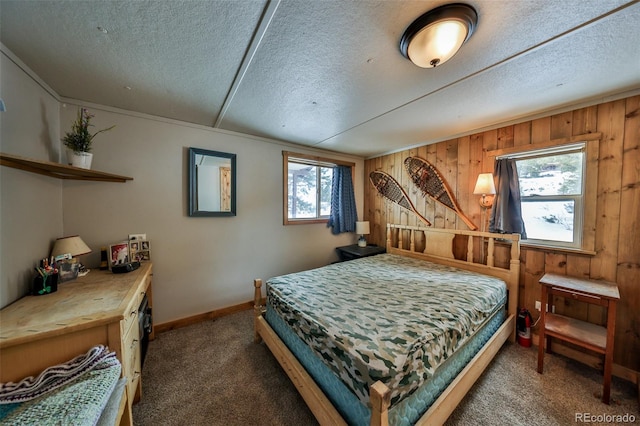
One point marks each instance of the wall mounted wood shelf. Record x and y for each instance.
(56, 170)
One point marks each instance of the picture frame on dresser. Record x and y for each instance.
(139, 250)
(118, 254)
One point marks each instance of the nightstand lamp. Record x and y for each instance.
(72, 245)
(362, 228)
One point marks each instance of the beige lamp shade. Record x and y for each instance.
(362, 228)
(485, 185)
(72, 244)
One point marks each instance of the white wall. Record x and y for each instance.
(200, 264)
(30, 204)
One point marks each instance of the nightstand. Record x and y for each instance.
(356, 252)
(587, 335)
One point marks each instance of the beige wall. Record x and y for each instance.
(31, 205)
(200, 264)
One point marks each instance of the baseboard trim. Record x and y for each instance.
(183, 322)
(592, 361)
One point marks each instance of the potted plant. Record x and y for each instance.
(79, 139)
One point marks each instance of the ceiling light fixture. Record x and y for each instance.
(437, 35)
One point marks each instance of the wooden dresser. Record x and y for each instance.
(100, 308)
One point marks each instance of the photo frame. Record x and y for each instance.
(139, 250)
(67, 269)
(119, 254)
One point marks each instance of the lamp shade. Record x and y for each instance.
(362, 228)
(437, 35)
(484, 184)
(73, 245)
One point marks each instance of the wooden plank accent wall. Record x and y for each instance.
(617, 235)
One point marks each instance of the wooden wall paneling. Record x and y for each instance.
(489, 143)
(585, 120)
(522, 302)
(533, 271)
(522, 134)
(505, 137)
(450, 175)
(400, 175)
(463, 192)
(412, 190)
(591, 181)
(561, 125)
(388, 208)
(628, 271)
(380, 201)
(477, 165)
(421, 202)
(541, 130)
(371, 209)
(556, 263)
(578, 266)
(472, 146)
(439, 220)
(367, 205)
(611, 125)
(430, 208)
(604, 264)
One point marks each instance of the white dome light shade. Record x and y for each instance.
(436, 36)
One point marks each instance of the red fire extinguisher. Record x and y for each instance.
(523, 325)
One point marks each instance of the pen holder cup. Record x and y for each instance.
(41, 286)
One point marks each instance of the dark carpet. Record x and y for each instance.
(212, 373)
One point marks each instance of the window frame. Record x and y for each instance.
(311, 160)
(587, 225)
(578, 199)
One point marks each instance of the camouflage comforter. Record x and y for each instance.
(385, 317)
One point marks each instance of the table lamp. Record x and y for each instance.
(362, 228)
(72, 245)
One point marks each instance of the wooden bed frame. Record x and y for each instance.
(438, 248)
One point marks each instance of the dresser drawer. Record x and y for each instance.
(131, 358)
(130, 317)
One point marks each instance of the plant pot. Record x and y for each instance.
(79, 159)
(42, 286)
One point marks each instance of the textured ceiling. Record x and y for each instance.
(326, 73)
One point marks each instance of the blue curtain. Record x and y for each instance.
(506, 214)
(343, 214)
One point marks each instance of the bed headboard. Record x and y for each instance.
(437, 245)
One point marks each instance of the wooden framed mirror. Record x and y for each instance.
(212, 183)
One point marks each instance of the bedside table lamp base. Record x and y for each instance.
(362, 228)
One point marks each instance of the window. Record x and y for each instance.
(552, 191)
(307, 188)
(558, 186)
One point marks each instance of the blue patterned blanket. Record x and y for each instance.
(72, 393)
